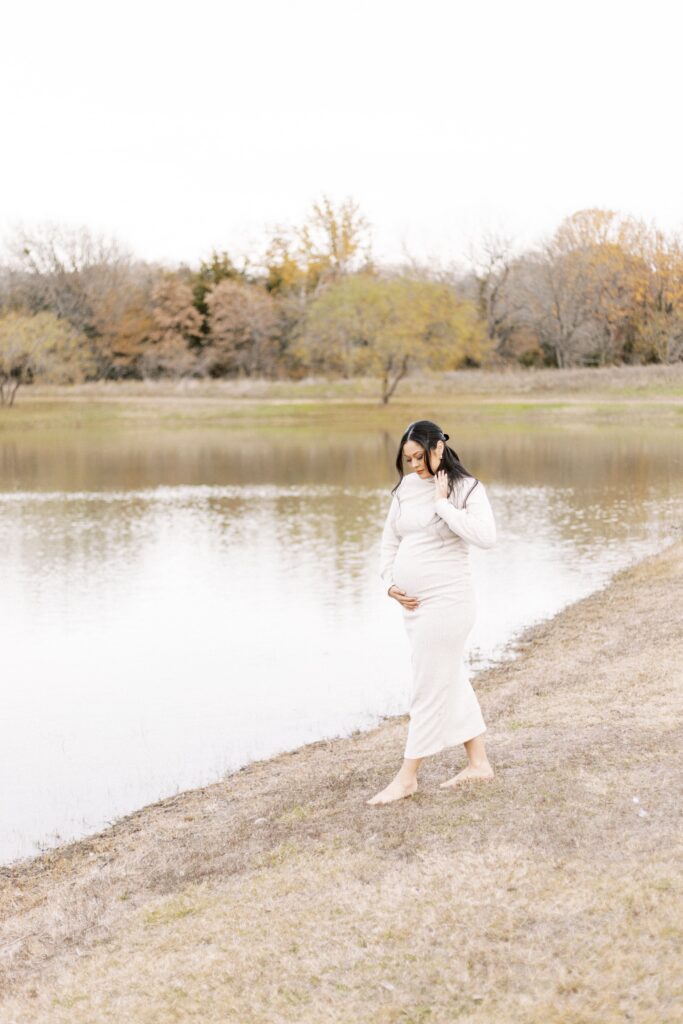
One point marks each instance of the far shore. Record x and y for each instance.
(550, 895)
(564, 397)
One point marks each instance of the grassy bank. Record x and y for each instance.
(549, 895)
(562, 396)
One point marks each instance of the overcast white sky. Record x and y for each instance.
(179, 128)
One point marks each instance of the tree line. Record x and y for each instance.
(604, 288)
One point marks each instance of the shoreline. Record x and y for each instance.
(570, 398)
(509, 652)
(634, 379)
(185, 882)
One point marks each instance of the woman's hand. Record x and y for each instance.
(440, 484)
(400, 596)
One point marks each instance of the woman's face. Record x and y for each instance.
(415, 457)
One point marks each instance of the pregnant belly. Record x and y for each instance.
(431, 574)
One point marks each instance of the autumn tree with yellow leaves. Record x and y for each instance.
(369, 325)
(332, 242)
(39, 346)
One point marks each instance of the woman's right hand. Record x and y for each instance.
(400, 596)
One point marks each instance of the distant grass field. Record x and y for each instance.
(545, 396)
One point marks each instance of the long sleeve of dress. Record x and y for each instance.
(389, 545)
(474, 523)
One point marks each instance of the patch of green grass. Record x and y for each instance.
(292, 996)
(652, 389)
(176, 992)
(172, 910)
(280, 854)
(511, 405)
(414, 1015)
(294, 814)
(68, 1001)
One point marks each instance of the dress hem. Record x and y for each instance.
(445, 746)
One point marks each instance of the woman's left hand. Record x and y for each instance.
(440, 484)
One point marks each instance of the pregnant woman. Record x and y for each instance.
(436, 511)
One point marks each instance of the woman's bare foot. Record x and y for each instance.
(396, 790)
(483, 772)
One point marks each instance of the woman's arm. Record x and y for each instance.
(474, 523)
(389, 544)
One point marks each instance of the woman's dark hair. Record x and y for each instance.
(427, 434)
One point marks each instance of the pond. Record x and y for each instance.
(176, 604)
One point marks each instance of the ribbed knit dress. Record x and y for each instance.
(425, 552)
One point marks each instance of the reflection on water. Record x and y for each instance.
(585, 458)
(174, 609)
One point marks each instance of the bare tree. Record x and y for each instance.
(574, 289)
(67, 270)
(500, 305)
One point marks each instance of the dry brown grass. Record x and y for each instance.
(547, 896)
(510, 383)
(641, 396)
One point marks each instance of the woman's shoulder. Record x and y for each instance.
(405, 482)
(464, 486)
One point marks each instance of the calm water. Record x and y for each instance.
(176, 605)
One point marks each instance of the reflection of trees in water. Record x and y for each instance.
(582, 484)
(589, 459)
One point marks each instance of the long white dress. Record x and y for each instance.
(425, 552)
